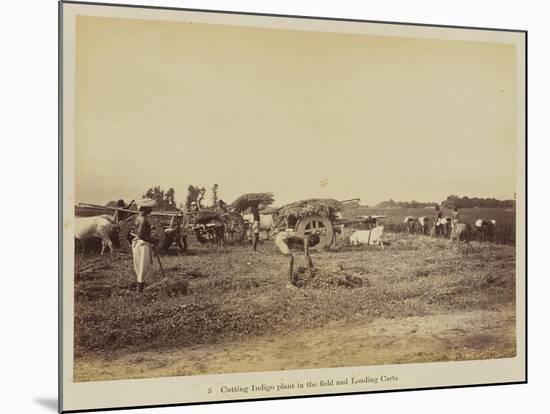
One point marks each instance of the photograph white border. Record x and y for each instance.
(180, 390)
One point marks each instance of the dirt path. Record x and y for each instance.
(454, 336)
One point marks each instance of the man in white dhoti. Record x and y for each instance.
(143, 243)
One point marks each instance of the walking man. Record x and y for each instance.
(288, 240)
(455, 219)
(255, 228)
(143, 242)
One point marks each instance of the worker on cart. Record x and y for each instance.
(143, 242)
(288, 240)
(222, 206)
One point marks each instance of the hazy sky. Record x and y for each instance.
(299, 114)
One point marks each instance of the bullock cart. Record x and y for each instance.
(322, 216)
(170, 226)
(205, 224)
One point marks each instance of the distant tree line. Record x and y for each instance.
(450, 202)
(405, 204)
(467, 202)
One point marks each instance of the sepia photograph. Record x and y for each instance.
(249, 196)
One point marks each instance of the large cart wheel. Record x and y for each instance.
(322, 225)
(234, 228)
(125, 238)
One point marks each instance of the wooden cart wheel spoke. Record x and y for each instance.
(322, 225)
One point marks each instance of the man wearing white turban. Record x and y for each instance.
(143, 242)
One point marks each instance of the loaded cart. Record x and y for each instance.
(322, 215)
(170, 226)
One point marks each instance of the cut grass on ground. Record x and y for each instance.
(215, 295)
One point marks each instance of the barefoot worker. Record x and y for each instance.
(288, 240)
(437, 229)
(455, 217)
(255, 227)
(455, 220)
(143, 243)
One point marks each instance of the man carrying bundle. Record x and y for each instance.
(253, 201)
(288, 240)
(143, 242)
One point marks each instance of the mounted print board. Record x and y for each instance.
(260, 206)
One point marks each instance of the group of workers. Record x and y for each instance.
(287, 240)
(439, 226)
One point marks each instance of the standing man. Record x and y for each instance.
(455, 216)
(437, 222)
(455, 219)
(338, 229)
(143, 242)
(255, 227)
(288, 240)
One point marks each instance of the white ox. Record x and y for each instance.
(373, 237)
(460, 233)
(424, 223)
(97, 226)
(267, 224)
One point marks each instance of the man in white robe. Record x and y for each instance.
(143, 243)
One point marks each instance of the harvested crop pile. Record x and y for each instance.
(233, 295)
(159, 322)
(326, 207)
(168, 286)
(326, 279)
(249, 200)
(206, 216)
(168, 323)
